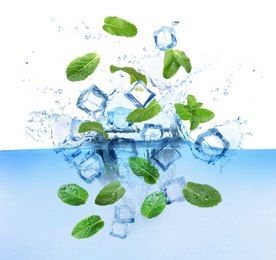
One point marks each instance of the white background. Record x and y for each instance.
(237, 34)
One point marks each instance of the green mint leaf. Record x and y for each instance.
(134, 75)
(182, 111)
(195, 122)
(171, 66)
(201, 195)
(119, 27)
(88, 227)
(143, 168)
(143, 114)
(204, 115)
(93, 126)
(173, 59)
(153, 204)
(72, 194)
(183, 60)
(110, 194)
(192, 103)
(80, 68)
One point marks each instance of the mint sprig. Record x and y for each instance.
(93, 126)
(82, 67)
(173, 59)
(193, 112)
(143, 114)
(119, 27)
(134, 75)
(201, 195)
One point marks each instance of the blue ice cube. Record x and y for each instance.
(124, 214)
(210, 146)
(92, 100)
(91, 167)
(165, 154)
(121, 148)
(173, 189)
(71, 154)
(139, 94)
(117, 117)
(152, 132)
(165, 38)
(120, 230)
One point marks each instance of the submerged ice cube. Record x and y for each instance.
(152, 132)
(121, 148)
(92, 100)
(173, 190)
(165, 154)
(91, 167)
(117, 117)
(120, 230)
(164, 38)
(124, 214)
(71, 154)
(139, 94)
(210, 146)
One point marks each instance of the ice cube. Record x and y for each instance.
(165, 154)
(139, 94)
(120, 230)
(164, 38)
(124, 214)
(210, 146)
(121, 148)
(152, 132)
(91, 167)
(71, 154)
(173, 190)
(92, 100)
(117, 117)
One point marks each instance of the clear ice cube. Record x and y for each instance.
(91, 167)
(139, 94)
(121, 148)
(165, 154)
(120, 230)
(117, 117)
(92, 100)
(124, 214)
(210, 146)
(71, 154)
(152, 132)
(164, 38)
(173, 189)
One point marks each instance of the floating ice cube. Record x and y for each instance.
(91, 167)
(139, 94)
(173, 190)
(210, 146)
(124, 214)
(92, 100)
(120, 230)
(152, 132)
(71, 154)
(121, 148)
(117, 117)
(165, 154)
(165, 38)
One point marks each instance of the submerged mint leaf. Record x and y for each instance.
(110, 194)
(193, 112)
(142, 167)
(143, 114)
(72, 194)
(119, 27)
(201, 195)
(173, 59)
(93, 126)
(88, 227)
(154, 204)
(134, 75)
(80, 68)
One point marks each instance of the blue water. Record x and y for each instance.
(35, 224)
